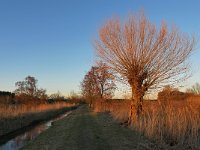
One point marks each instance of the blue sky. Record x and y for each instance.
(52, 39)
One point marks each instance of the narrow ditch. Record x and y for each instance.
(20, 138)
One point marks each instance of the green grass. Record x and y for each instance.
(86, 130)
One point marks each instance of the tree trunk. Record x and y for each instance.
(139, 105)
(131, 117)
(102, 91)
(136, 106)
(90, 102)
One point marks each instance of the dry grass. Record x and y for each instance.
(14, 117)
(7, 111)
(174, 123)
(195, 99)
(118, 108)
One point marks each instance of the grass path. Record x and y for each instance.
(86, 130)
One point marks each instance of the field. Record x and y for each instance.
(174, 123)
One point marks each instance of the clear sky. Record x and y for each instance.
(52, 39)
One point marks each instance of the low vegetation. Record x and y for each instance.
(175, 123)
(8, 111)
(13, 117)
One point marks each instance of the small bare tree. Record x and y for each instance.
(143, 55)
(195, 89)
(41, 94)
(105, 80)
(29, 88)
(89, 86)
(98, 83)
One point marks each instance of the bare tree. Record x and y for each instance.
(105, 80)
(89, 86)
(41, 94)
(20, 88)
(144, 55)
(29, 87)
(98, 83)
(57, 96)
(195, 89)
(30, 84)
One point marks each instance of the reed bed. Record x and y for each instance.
(15, 117)
(175, 123)
(7, 111)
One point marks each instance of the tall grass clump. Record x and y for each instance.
(175, 123)
(117, 108)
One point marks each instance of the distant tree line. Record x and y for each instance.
(173, 94)
(5, 93)
(28, 92)
(6, 97)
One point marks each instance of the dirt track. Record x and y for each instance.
(86, 130)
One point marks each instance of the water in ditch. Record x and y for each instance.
(22, 139)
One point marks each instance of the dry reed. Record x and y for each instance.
(7, 111)
(15, 117)
(175, 123)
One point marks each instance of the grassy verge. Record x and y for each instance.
(86, 130)
(10, 122)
